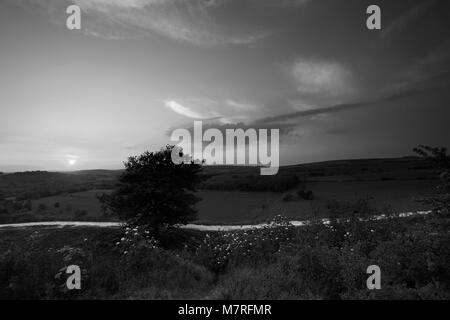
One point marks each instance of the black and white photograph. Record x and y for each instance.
(228, 151)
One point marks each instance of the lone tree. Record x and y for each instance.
(154, 191)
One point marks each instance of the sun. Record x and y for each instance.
(72, 162)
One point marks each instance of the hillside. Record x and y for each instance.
(232, 194)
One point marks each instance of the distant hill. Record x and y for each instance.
(249, 179)
(38, 184)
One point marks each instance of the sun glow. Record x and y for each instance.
(72, 162)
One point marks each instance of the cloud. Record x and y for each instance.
(190, 21)
(189, 112)
(290, 125)
(223, 111)
(272, 3)
(322, 78)
(289, 121)
(285, 3)
(180, 20)
(241, 105)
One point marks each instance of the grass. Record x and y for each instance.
(314, 262)
(393, 182)
(233, 207)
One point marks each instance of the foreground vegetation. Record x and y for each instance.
(314, 262)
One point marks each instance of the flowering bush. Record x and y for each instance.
(134, 237)
(253, 246)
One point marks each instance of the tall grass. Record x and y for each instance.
(282, 262)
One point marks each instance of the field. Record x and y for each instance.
(314, 262)
(231, 195)
(233, 207)
(252, 207)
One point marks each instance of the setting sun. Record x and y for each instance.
(72, 162)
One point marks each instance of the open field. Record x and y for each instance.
(250, 207)
(313, 262)
(232, 194)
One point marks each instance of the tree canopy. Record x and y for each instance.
(155, 191)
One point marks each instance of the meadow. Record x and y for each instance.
(283, 262)
(231, 195)
(235, 207)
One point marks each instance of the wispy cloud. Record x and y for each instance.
(188, 111)
(322, 77)
(241, 105)
(190, 21)
(274, 3)
(320, 83)
(222, 111)
(289, 121)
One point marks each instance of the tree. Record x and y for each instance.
(154, 191)
(438, 156)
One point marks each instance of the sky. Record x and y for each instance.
(138, 69)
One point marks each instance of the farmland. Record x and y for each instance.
(232, 194)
